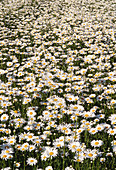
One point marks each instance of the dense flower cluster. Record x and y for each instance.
(57, 84)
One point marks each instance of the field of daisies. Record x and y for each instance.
(57, 85)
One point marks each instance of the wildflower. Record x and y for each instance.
(92, 95)
(114, 149)
(102, 160)
(31, 148)
(92, 154)
(73, 146)
(113, 142)
(4, 155)
(52, 152)
(1, 111)
(11, 141)
(58, 144)
(69, 168)
(97, 143)
(49, 168)
(4, 117)
(17, 164)
(31, 113)
(31, 161)
(44, 156)
(109, 154)
(99, 127)
(7, 168)
(111, 131)
(83, 71)
(112, 117)
(25, 145)
(29, 136)
(9, 64)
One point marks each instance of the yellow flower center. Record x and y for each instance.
(90, 154)
(51, 153)
(31, 160)
(96, 143)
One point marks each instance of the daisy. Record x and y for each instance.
(83, 71)
(11, 141)
(113, 102)
(4, 117)
(44, 156)
(92, 154)
(60, 90)
(29, 136)
(25, 145)
(92, 95)
(52, 152)
(93, 131)
(113, 143)
(114, 149)
(9, 64)
(80, 130)
(58, 144)
(20, 74)
(31, 148)
(69, 168)
(31, 113)
(97, 143)
(17, 164)
(111, 131)
(49, 168)
(99, 127)
(73, 146)
(4, 155)
(37, 141)
(31, 161)
(7, 168)
(102, 160)
(109, 154)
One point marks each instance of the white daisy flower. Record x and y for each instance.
(97, 143)
(49, 168)
(4, 117)
(31, 113)
(31, 161)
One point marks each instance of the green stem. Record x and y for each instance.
(24, 161)
(64, 154)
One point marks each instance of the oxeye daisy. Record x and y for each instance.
(52, 152)
(31, 113)
(92, 154)
(1, 111)
(25, 145)
(113, 102)
(49, 168)
(9, 64)
(31, 161)
(44, 156)
(4, 155)
(4, 117)
(69, 168)
(111, 131)
(109, 154)
(113, 143)
(99, 127)
(93, 130)
(97, 143)
(102, 160)
(17, 164)
(73, 146)
(31, 148)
